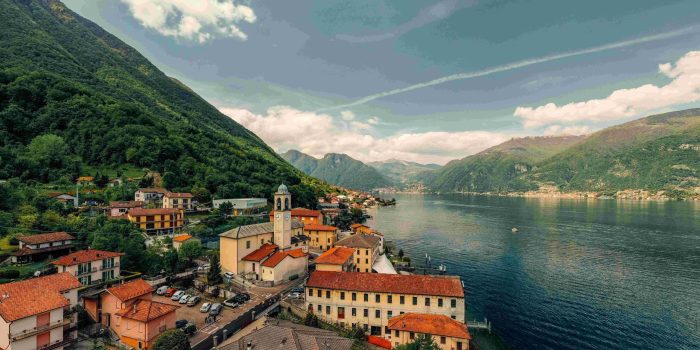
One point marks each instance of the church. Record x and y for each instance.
(268, 253)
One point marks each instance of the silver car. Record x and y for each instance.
(184, 298)
(192, 301)
(177, 295)
(205, 307)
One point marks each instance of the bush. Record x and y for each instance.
(173, 339)
(14, 241)
(9, 274)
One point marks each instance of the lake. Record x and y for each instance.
(579, 274)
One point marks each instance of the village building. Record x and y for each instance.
(39, 313)
(266, 252)
(115, 182)
(286, 335)
(91, 266)
(179, 240)
(329, 214)
(119, 208)
(129, 311)
(367, 250)
(336, 259)
(447, 333)
(85, 180)
(159, 221)
(178, 200)
(150, 196)
(370, 300)
(42, 246)
(321, 237)
(242, 206)
(306, 216)
(66, 198)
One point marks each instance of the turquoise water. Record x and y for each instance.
(579, 274)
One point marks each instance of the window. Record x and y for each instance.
(247, 244)
(365, 327)
(342, 295)
(459, 345)
(389, 313)
(311, 292)
(415, 300)
(402, 300)
(318, 294)
(366, 261)
(386, 330)
(328, 309)
(377, 313)
(366, 297)
(358, 253)
(440, 302)
(262, 241)
(396, 332)
(443, 340)
(328, 294)
(389, 299)
(358, 260)
(354, 296)
(341, 313)
(318, 308)
(354, 311)
(377, 298)
(454, 317)
(453, 303)
(427, 301)
(412, 335)
(366, 251)
(365, 313)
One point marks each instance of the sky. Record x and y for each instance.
(424, 81)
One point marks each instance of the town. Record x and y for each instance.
(315, 274)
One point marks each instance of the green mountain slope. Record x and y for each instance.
(660, 152)
(499, 168)
(402, 172)
(74, 96)
(338, 169)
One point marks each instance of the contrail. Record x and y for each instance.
(515, 65)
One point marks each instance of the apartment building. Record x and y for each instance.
(447, 333)
(370, 300)
(336, 259)
(91, 266)
(150, 195)
(39, 313)
(367, 250)
(178, 200)
(119, 208)
(157, 221)
(322, 237)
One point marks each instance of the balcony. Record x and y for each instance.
(56, 344)
(38, 329)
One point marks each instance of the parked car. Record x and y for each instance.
(180, 323)
(297, 290)
(184, 298)
(205, 307)
(178, 295)
(193, 300)
(233, 302)
(295, 295)
(229, 275)
(161, 290)
(242, 297)
(190, 329)
(215, 309)
(170, 292)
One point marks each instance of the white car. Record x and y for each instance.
(229, 275)
(295, 295)
(161, 290)
(205, 307)
(184, 298)
(178, 295)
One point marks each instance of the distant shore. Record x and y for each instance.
(636, 195)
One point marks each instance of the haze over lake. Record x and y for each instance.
(579, 274)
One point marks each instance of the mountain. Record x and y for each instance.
(338, 169)
(401, 171)
(74, 97)
(499, 168)
(659, 153)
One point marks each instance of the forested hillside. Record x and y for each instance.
(74, 97)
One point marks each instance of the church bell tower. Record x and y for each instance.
(283, 218)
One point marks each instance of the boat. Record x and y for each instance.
(514, 229)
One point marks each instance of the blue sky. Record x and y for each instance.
(294, 71)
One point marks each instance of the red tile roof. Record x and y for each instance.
(354, 226)
(429, 324)
(178, 195)
(46, 238)
(449, 286)
(154, 211)
(379, 341)
(277, 258)
(34, 296)
(305, 212)
(360, 240)
(131, 290)
(314, 227)
(126, 204)
(335, 256)
(181, 238)
(146, 310)
(261, 253)
(84, 256)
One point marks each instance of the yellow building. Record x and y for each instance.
(370, 300)
(178, 200)
(157, 221)
(367, 249)
(336, 259)
(447, 333)
(321, 237)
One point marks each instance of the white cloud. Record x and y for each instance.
(373, 120)
(347, 115)
(557, 130)
(684, 87)
(316, 134)
(194, 20)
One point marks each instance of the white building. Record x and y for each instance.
(91, 266)
(242, 206)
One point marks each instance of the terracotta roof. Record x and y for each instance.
(359, 240)
(354, 226)
(305, 212)
(429, 324)
(277, 258)
(314, 227)
(46, 238)
(379, 341)
(146, 310)
(261, 253)
(154, 211)
(126, 204)
(153, 190)
(181, 238)
(34, 296)
(83, 256)
(449, 286)
(335, 256)
(256, 229)
(178, 195)
(284, 335)
(131, 290)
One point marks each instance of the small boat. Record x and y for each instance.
(514, 229)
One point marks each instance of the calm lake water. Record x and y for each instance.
(579, 274)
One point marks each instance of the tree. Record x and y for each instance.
(214, 273)
(311, 320)
(173, 339)
(422, 342)
(48, 150)
(190, 250)
(226, 208)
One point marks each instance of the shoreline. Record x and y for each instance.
(627, 195)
